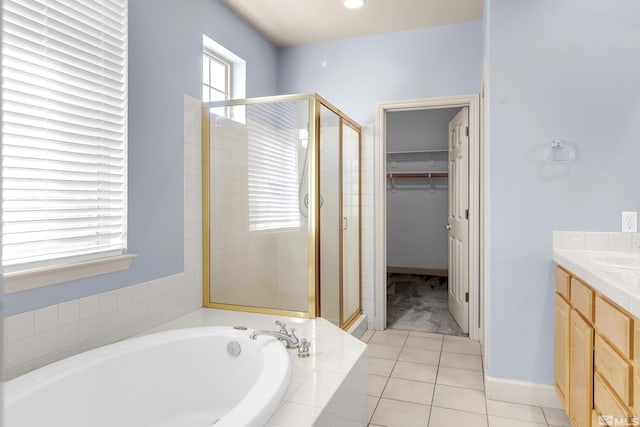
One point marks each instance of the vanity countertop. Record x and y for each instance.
(608, 262)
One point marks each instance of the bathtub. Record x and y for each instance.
(179, 378)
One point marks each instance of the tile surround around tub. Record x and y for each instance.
(36, 338)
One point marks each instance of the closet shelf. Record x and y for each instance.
(393, 153)
(400, 175)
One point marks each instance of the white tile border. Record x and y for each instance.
(522, 392)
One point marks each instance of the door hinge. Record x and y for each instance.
(466, 214)
(466, 297)
(467, 131)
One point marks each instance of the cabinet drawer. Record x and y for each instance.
(605, 402)
(582, 298)
(562, 282)
(614, 324)
(614, 369)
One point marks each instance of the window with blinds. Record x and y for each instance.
(274, 188)
(64, 131)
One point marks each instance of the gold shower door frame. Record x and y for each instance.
(313, 222)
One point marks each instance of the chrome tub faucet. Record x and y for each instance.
(290, 338)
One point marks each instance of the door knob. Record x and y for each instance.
(448, 227)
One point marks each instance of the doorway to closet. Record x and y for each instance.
(428, 206)
(418, 190)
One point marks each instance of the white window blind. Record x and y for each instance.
(273, 166)
(64, 130)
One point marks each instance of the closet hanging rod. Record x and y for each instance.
(400, 175)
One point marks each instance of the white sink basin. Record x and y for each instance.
(616, 259)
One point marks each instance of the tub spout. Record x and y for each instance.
(291, 340)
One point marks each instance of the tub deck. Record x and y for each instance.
(328, 387)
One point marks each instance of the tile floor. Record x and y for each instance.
(433, 380)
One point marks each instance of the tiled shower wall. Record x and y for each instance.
(36, 338)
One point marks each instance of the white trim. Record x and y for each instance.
(484, 207)
(475, 195)
(44, 276)
(522, 392)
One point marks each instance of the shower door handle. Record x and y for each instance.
(344, 222)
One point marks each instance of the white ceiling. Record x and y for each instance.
(294, 22)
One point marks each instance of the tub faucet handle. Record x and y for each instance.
(303, 350)
(283, 327)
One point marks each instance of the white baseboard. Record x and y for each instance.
(521, 392)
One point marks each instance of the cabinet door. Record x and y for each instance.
(581, 377)
(562, 326)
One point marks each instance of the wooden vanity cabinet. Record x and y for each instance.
(581, 371)
(597, 356)
(562, 345)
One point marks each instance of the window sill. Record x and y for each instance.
(38, 277)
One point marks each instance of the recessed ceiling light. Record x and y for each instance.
(353, 4)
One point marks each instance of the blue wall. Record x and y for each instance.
(354, 74)
(165, 51)
(558, 70)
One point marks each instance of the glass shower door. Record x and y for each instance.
(350, 224)
(329, 215)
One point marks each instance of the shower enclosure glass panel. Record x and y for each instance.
(351, 223)
(259, 206)
(329, 215)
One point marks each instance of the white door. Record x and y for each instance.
(459, 218)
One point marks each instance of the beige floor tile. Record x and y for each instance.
(515, 411)
(463, 399)
(465, 347)
(373, 402)
(460, 378)
(394, 413)
(397, 331)
(510, 422)
(417, 355)
(382, 351)
(415, 371)
(424, 343)
(557, 417)
(388, 338)
(443, 417)
(382, 367)
(408, 391)
(367, 335)
(376, 385)
(461, 361)
(425, 334)
(455, 338)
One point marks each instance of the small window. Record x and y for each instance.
(216, 77)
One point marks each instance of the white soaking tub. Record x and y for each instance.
(179, 378)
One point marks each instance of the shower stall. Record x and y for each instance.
(281, 208)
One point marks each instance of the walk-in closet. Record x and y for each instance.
(418, 198)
